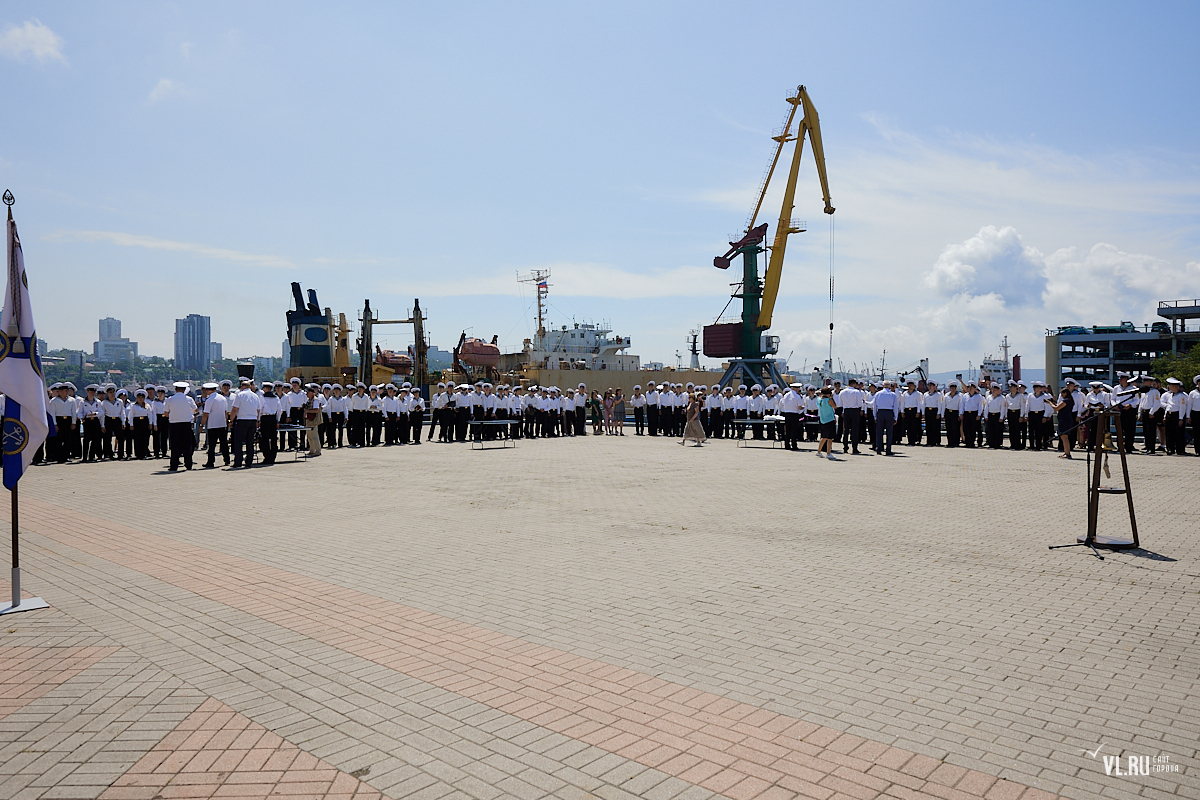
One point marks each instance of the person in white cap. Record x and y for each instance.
(933, 403)
(416, 412)
(1149, 407)
(62, 409)
(853, 404)
(581, 410)
(141, 424)
(92, 420)
(1039, 410)
(791, 406)
(162, 427)
(637, 401)
(245, 412)
(270, 412)
(1175, 405)
(181, 411)
(335, 416)
(215, 423)
(652, 410)
(114, 414)
(438, 403)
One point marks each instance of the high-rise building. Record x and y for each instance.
(287, 354)
(214, 351)
(110, 330)
(192, 343)
(112, 346)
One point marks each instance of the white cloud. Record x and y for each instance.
(163, 89)
(150, 242)
(992, 262)
(33, 39)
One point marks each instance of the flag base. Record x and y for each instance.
(27, 604)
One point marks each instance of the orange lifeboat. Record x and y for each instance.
(478, 353)
(400, 363)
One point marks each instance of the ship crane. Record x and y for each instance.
(745, 343)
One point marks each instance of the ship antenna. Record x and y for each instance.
(541, 281)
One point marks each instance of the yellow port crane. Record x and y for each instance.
(743, 342)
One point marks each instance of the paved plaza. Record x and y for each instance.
(602, 617)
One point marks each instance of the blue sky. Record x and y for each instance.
(997, 168)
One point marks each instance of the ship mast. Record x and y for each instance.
(541, 280)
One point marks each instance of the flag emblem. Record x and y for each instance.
(16, 436)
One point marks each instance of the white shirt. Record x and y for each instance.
(933, 400)
(972, 403)
(215, 406)
(951, 402)
(180, 408)
(1150, 401)
(246, 405)
(1176, 402)
(791, 402)
(271, 407)
(913, 399)
(850, 397)
(996, 404)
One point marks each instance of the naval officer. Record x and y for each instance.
(181, 410)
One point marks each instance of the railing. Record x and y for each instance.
(1178, 303)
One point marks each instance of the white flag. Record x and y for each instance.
(26, 422)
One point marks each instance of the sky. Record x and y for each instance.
(997, 169)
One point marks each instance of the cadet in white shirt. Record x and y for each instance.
(791, 406)
(1040, 416)
(181, 411)
(270, 411)
(933, 415)
(852, 403)
(246, 410)
(1014, 413)
(912, 408)
(113, 421)
(92, 420)
(1175, 405)
(1149, 408)
(215, 424)
(142, 422)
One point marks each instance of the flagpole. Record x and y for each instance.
(16, 556)
(15, 336)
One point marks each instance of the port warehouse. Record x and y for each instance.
(1099, 353)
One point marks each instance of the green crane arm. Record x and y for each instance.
(808, 124)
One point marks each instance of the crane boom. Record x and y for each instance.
(811, 125)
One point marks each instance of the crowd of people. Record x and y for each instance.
(111, 423)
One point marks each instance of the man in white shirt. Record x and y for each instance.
(972, 411)
(270, 410)
(912, 406)
(62, 409)
(91, 416)
(1176, 404)
(1014, 413)
(247, 409)
(852, 403)
(755, 404)
(215, 424)
(951, 414)
(933, 415)
(181, 411)
(791, 406)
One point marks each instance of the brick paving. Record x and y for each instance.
(605, 617)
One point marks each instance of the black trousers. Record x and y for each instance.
(1149, 432)
(462, 418)
(1176, 436)
(376, 425)
(1037, 430)
(92, 435)
(62, 448)
(416, 419)
(652, 419)
(268, 445)
(851, 419)
(953, 429)
(161, 434)
(995, 430)
(933, 428)
(183, 442)
(217, 437)
(141, 437)
(791, 430)
(639, 421)
(912, 425)
(1128, 427)
(296, 417)
(403, 428)
(243, 441)
(1014, 429)
(581, 420)
(971, 427)
(112, 434)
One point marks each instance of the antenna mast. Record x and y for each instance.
(541, 280)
